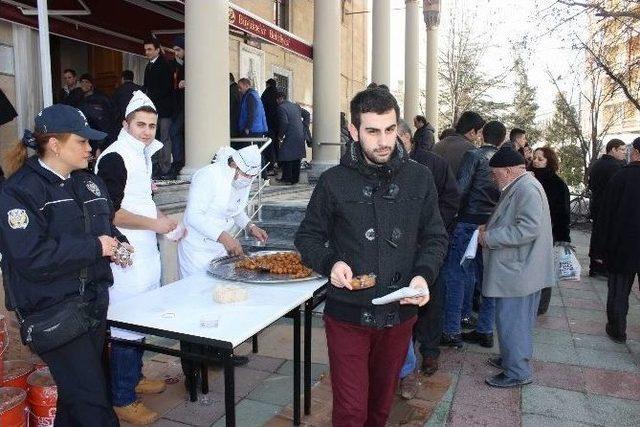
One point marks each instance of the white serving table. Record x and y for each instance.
(174, 311)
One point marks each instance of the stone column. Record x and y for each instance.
(411, 60)
(326, 86)
(207, 88)
(432, 19)
(381, 42)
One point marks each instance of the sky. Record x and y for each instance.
(502, 22)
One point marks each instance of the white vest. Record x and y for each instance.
(144, 274)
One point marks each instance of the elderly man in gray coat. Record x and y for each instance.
(518, 263)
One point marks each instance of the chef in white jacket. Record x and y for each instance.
(218, 196)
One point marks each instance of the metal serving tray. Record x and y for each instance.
(224, 268)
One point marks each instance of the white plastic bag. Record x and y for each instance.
(566, 261)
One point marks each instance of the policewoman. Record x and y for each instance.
(57, 241)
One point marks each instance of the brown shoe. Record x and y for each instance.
(429, 365)
(409, 386)
(147, 386)
(136, 414)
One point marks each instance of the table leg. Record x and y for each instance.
(296, 366)
(254, 343)
(308, 307)
(229, 388)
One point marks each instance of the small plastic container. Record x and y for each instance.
(364, 281)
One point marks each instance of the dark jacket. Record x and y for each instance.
(252, 115)
(99, 112)
(270, 106)
(121, 98)
(616, 235)
(235, 98)
(158, 86)
(479, 194)
(73, 98)
(177, 74)
(377, 219)
(43, 240)
(424, 137)
(306, 126)
(452, 148)
(446, 185)
(291, 132)
(558, 198)
(599, 175)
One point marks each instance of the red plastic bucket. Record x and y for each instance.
(13, 407)
(42, 398)
(16, 373)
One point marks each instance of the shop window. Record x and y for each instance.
(281, 13)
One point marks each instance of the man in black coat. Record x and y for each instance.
(235, 98)
(428, 329)
(600, 173)
(290, 139)
(70, 93)
(424, 137)
(123, 94)
(98, 109)
(158, 86)
(376, 213)
(616, 240)
(269, 100)
(176, 131)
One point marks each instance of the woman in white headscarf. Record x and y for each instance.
(218, 196)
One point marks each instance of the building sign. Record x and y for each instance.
(242, 20)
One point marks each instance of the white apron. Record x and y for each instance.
(144, 274)
(213, 207)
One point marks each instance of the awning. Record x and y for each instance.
(124, 24)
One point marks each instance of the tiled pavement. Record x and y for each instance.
(581, 377)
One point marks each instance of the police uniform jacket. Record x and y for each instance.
(381, 220)
(43, 240)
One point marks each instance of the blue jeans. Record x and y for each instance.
(460, 282)
(515, 320)
(410, 362)
(126, 372)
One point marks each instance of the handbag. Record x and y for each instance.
(566, 262)
(57, 325)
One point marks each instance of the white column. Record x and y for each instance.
(411, 60)
(432, 19)
(326, 86)
(381, 42)
(45, 53)
(207, 81)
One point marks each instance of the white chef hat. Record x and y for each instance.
(138, 100)
(248, 159)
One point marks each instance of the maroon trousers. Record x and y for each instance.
(365, 363)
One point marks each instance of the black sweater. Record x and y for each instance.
(558, 197)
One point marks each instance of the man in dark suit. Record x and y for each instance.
(159, 88)
(123, 94)
(290, 139)
(71, 93)
(600, 173)
(235, 98)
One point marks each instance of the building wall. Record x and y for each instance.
(9, 131)
(352, 56)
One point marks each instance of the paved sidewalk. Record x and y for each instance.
(581, 377)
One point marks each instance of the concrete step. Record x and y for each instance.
(279, 230)
(293, 211)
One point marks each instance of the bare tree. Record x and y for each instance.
(615, 27)
(463, 84)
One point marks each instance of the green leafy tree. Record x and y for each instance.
(524, 107)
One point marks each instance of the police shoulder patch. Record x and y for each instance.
(93, 187)
(18, 218)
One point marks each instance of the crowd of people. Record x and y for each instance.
(398, 206)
